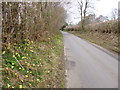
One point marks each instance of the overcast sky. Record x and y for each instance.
(102, 7)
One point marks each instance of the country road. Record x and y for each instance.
(88, 66)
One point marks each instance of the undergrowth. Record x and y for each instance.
(34, 64)
(106, 40)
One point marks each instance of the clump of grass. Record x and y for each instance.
(33, 64)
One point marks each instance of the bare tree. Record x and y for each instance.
(83, 5)
(31, 20)
(114, 14)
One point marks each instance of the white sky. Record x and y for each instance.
(102, 7)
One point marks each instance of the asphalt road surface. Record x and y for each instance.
(88, 66)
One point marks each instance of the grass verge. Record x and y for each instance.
(106, 40)
(34, 64)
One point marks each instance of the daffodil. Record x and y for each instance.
(20, 68)
(30, 72)
(3, 52)
(31, 41)
(15, 73)
(33, 64)
(30, 84)
(25, 48)
(48, 71)
(8, 44)
(26, 75)
(38, 65)
(27, 54)
(28, 44)
(13, 55)
(7, 68)
(8, 47)
(13, 51)
(15, 44)
(31, 47)
(16, 53)
(31, 50)
(23, 57)
(12, 67)
(21, 80)
(8, 85)
(13, 64)
(37, 79)
(12, 87)
(5, 48)
(27, 71)
(20, 86)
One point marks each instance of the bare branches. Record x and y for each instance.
(83, 9)
(29, 20)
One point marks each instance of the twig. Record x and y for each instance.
(19, 63)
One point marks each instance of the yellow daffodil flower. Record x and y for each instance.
(12, 67)
(8, 47)
(48, 71)
(15, 44)
(8, 44)
(23, 57)
(33, 64)
(26, 75)
(8, 85)
(13, 55)
(31, 41)
(3, 52)
(38, 65)
(20, 86)
(37, 79)
(31, 50)
(31, 47)
(25, 48)
(20, 68)
(27, 71)
(16, 53)
(21, 80)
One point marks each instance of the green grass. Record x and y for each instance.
(106, 40)
(34, 64)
